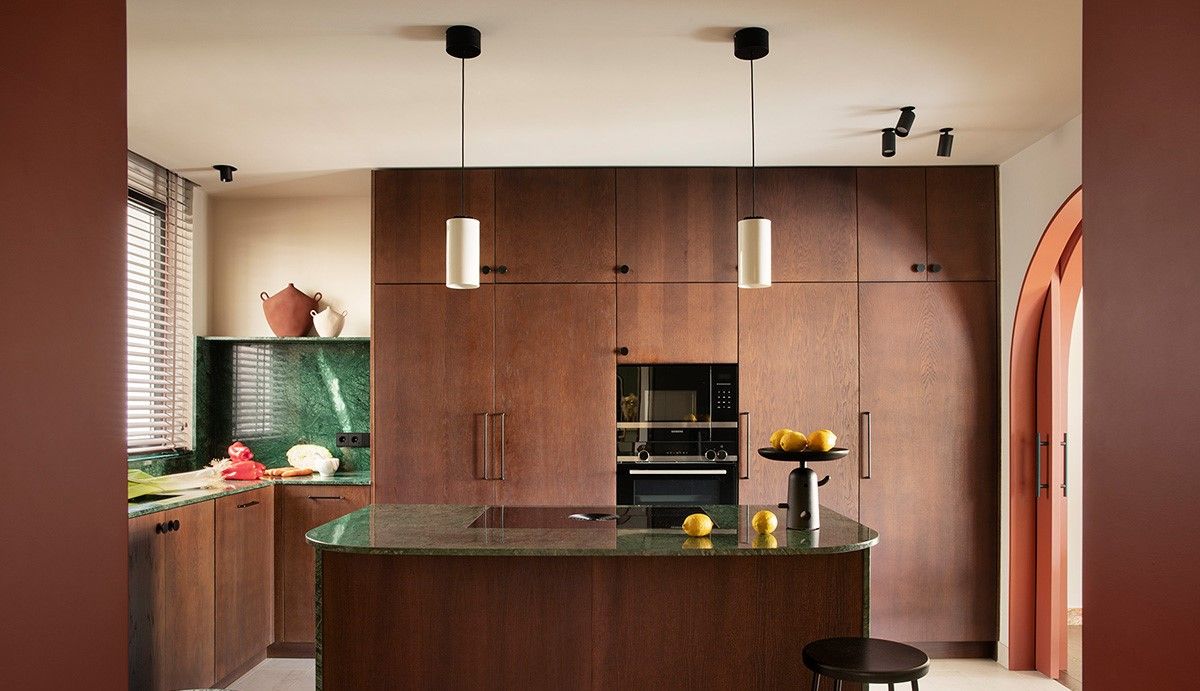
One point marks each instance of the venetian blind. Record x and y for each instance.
(159, 300)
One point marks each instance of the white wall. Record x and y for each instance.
(1033, 184)
(1075, 463)
(262, 244)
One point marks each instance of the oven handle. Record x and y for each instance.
(678, 472)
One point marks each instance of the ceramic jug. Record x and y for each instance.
(329, 322)
(289, 312)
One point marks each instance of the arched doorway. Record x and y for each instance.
(1038, 495)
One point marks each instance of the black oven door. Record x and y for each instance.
(675, 483)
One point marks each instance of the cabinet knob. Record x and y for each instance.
(622, 351)
(485, 270)
(175, 524)
(918, 268)
(934, 268)
(158, 528)
(624, 268)
(502, 269)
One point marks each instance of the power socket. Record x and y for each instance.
(354, 440)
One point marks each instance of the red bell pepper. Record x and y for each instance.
(240, 452)
(244, 470)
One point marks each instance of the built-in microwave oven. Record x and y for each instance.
(684, 413)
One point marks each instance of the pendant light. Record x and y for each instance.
(462, 231)
(754, 231)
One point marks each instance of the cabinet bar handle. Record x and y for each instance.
(1038, 484)
(744, 460)
(487, 445)
(1066, 449)
(503, 434)
(248, 504)
(869, 454)
(320, 497)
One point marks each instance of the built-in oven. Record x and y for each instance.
(704, 483)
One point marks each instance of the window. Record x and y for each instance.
(159, 303)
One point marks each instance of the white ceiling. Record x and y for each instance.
(295, 92)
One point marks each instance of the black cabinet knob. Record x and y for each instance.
(502, 269)
(158, 528)
(622, 351)
(175, 524)
(624, 268)
(485, 270)
(918, 268)
(934, 268)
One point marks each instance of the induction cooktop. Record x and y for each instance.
(587, 517)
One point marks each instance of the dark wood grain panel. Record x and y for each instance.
(245, 559)
(928, 368)
(798, 368)
(432, 354)
(677, 224)
(556, 224)
(891, 224)
(962, 222)
(677, 322)
(812, 212)
(409, 209)
(555, 375)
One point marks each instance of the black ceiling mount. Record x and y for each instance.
(463, 42)
(907, 115)
(889, 142)
(945, 142)
(224, 171)
(751, 43)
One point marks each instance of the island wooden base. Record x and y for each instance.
(546, 622)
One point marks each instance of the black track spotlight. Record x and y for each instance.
(945, 142)
(904, 125)
(225, 171)
(889, 142)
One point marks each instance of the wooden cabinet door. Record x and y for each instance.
(891, 224)
(556, 225)
(432, 355)
(798, 368)
(928, 367)
(677, 224)
(812, 212)
(677, 322)
(245, 558)
(962, 222)
(409, 209)
(556, 386)
(302, 508)
(171, 600)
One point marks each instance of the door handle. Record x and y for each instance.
(870, 451)
(503, 459)
(487, 445)
(1039, 484)
(744, 460)
(1066, 448)
(326, 497)
(248, 504)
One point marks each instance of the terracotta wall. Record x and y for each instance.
(1142, 373)
(62, 188)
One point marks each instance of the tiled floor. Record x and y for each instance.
(948, 675)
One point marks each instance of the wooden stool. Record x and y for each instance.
(864, 660)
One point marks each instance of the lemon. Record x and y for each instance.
(793, 441)
(697, 543)
(776, 435)
(766, 541)
(821, 440)
(697, 525)
(764, 522)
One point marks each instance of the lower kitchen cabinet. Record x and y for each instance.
(245, 559)
(171, 599)
(302, 508)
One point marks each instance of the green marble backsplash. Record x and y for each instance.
(272, 394)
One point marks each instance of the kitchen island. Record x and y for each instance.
(442, 596)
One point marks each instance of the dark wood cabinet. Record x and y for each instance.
(891, 224)
(408, 221)
(677, 224)
(962, 222)
(556, 225)
(928, 365)
(171, 599)
(798, 368)
(677, 322)
(433, 384)
(245, 558)
(812, 212)
(302, 508)
(556, 390)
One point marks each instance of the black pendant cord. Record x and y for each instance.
(753, 156)
(462, 143)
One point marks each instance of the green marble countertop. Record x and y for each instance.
(195, 496)
(428, 529)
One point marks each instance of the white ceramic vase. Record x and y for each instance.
(329, 322)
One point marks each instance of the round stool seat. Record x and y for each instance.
(866, 660)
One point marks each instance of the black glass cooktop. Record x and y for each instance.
(625, 517)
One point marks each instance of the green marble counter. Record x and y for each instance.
(424, 529)
(195, 496)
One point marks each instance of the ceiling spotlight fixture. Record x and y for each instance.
(224, 171)
(462, 231)
(945, 142)
(754, 231)
(889, 142)
(908, 114)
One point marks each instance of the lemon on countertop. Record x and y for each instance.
(821, 440)
(793, 441)
(766, 541)
(697, 525)
(764, 522)
(776, 435)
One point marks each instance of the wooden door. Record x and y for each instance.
(409, 209)
(302, 508)
(677, 224)
(891, 224)
(171, 599)
(556, 387)
(432, 355)
(928, 380)
(556, 225)
(798, 368)
(812, 212)
(962, 222)
(677, 322)
(245, 559)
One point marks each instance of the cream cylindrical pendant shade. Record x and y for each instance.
(462, 252)
(754, 253)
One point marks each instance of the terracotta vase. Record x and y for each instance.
(289, 312)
